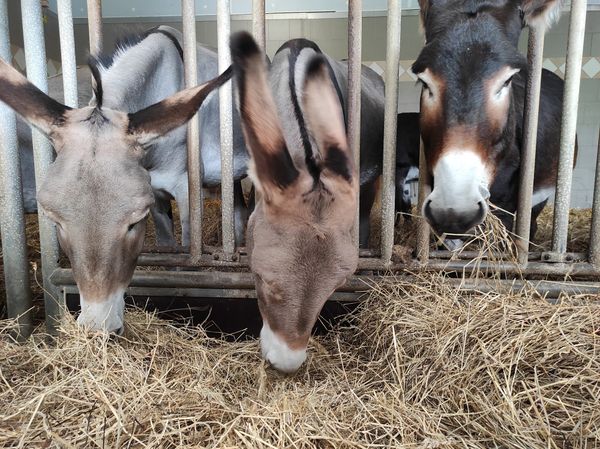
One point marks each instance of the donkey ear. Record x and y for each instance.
(544, 13)
(32, 104)
(326, 121)
(424, 9)
(160, 118)
(273, 165)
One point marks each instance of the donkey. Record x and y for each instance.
(286, 77)
(473, 87)
(299, 236)
(99, 190)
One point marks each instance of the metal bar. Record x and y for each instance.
(423, 231)
(188, 14)
(35, 60)
(354, 75)
(193, 282)
(595, 226)
(12, 219)
(535, 55)
(388, 193)
(94, 13)
(67, 52)
(258, 23)
(226, 128)
(568, 126)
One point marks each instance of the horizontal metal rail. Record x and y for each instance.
(200, 284)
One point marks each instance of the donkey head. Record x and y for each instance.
(96, 191)
(300, 234)
(468, 118)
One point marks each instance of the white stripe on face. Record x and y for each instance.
(278, 353)
(104, 316)
(460, 181)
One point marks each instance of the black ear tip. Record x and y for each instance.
(243, 45)
(316, 66)
(94, 64)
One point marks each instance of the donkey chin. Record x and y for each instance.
(104, 315)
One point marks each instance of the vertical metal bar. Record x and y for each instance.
(226, 128)
(388, 207)
(535, 55)
(188, 14)
(94, 10)
(258, 22)
(423, 231)
(354, 73)
(568, 126)
(12, 219)
(67, 52)
(595, 227)
(35, 60)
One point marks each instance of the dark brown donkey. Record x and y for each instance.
(97, 191)
(472, 103)
(300, 234)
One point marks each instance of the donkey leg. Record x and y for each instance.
(163, 219)
(181, 195)
(240, 213)
(367, 197)
(535, 212)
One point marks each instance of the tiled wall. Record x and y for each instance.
(331, 36)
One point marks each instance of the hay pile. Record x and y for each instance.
(420, 366)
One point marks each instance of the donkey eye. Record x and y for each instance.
(132, 226)
(508, 81)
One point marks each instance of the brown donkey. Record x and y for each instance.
(97, 191)
(300, 234)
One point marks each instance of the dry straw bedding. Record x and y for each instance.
(420, 366)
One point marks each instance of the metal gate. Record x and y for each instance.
(194, 282)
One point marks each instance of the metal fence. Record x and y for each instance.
(194, 282)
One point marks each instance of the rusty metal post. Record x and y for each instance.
(388, 204)
(67, 52)
(188, 14)
(535, 55)
(354, 73)
(423, 231)
(12, 219)
(37, 72)
(226, 128)
(94, 8)
(568, 129)
(595, 227)
(258, 23)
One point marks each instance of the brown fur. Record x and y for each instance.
(300, 235)
(96, 191)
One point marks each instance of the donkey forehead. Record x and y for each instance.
(95, 131)
(503, 15)
(468, 54)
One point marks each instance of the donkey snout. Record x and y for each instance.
(278, 353)
(454, 220)
(105, 315)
